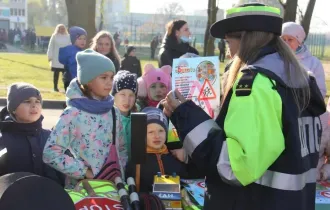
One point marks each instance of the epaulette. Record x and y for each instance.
(244, 85)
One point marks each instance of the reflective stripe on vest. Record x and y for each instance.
(273, 179)
(282, 181)
(198, 135)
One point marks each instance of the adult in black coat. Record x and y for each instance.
(175, 42)
(24, 143)
(131, 63)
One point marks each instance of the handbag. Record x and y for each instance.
(111, 168)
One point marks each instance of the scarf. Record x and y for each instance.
(93, 106)
(152, 103)
(162, 151)
(300, 49)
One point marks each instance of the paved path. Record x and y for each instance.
(50, 117)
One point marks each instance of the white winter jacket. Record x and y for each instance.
(314, 65)
(56, 42)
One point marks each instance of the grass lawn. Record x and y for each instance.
(34, 69)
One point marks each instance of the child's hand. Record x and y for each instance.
(89, 174)
(180, 154)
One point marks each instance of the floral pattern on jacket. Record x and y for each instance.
(81, 140)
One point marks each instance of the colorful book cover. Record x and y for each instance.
(196, 189)
(198, 79)
(323, 193)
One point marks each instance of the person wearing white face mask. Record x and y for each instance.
(175, 42)
(294, 35)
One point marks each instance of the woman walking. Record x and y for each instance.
(59, 39)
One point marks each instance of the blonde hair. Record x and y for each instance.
(249, 49)
(103, 34)
(57, 29)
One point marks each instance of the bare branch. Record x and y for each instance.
(282, 3)
(300, 13)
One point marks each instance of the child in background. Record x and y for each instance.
(88, 136)
(158, 157)
(124, 91)
(22, 134)
(154, 85)
(130, 62)
(67, 55)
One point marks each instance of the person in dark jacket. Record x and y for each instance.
(159, 159)
(103, 43)
(262, 150)
(22, 135)
(222, 50)
(131, 63)
(153, 46)
(175, 42)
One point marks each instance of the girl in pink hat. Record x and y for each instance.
(154, 85)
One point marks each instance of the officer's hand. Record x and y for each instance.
(170, 103)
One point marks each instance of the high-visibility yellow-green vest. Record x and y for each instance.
(93, 188)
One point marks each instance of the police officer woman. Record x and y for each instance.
(262, 150)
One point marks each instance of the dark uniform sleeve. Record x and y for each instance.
(205, 148)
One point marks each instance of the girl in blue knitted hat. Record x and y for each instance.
(87, 141)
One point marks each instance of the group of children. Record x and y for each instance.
(92, 138)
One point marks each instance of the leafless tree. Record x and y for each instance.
(82, 13)
(212, 10)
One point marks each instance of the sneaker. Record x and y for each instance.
(56, 90)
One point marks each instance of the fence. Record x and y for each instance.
(317, 44)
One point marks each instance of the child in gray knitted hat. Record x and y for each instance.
(22, 135)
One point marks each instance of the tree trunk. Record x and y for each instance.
(102, 16)
(209, 40)
(82, 13)
(290, 11)
(306, 21)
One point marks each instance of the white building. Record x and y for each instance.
(14, 12)
(143, 27)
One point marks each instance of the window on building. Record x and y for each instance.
(15, 12)
(19, 12)
(12, 12)
(23, 12)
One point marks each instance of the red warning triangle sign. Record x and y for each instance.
(207, 91)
